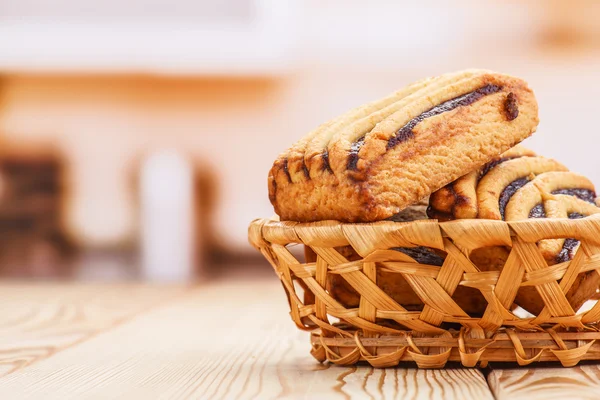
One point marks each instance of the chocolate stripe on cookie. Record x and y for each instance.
(286, 170)
(355, 131)
(305, 170)
(353, 155)
(489, 166)
(508, 192)
(405, 133)
(495, 191)
(570, 246)
(423, 255)
(325, 166)
(583, 194)
(511, 107)
(538, 212)
(568, 250)
(362, 119)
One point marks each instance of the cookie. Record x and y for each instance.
(554, 195)
(516, 186)
(458, 200)
(374, 161)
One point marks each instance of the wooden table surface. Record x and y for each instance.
(223, 340)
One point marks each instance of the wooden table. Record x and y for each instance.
(223, 340)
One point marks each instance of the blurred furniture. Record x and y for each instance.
(569, 25)
(212, 249)
(33, 240)
(229, 340)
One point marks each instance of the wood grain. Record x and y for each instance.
(231, 340)
(582, 382)
(39, 320)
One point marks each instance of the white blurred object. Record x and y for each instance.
(167, 217)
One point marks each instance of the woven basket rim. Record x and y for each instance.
(532, 230)
(548, 223)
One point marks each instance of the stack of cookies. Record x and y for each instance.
(443, 148)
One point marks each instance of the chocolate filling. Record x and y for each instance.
(406, 132)
(508, 192)
(583, 194)
(286, 170)
(538, 211)
(353, 155)
(305, 170)
(511, 107)
(489, 166)
(326, 166)
(423, 255)
(568, 250)
(492, 164)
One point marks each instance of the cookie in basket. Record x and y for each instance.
(516, 186)
(376, 160)
(394, 284)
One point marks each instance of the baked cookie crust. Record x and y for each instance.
(377, 159)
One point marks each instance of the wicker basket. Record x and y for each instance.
(383, 332)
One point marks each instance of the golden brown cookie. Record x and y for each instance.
(374, 161)
(458, 199)
(519, 185)
(516, 186)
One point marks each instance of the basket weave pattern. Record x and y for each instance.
(383, 333)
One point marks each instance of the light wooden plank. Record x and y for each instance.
(224, 341)
(412, 383)
(39, 320)
(582, 382)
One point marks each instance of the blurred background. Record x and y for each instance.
(136, 137)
